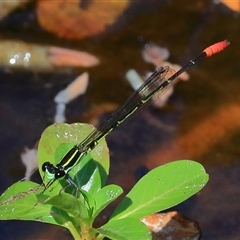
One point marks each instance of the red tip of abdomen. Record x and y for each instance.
(215, 48)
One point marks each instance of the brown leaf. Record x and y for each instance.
(66, 18)
(172, 225)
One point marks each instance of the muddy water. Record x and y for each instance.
(201, 121)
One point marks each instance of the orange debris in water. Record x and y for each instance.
(68, 19)
(171, 225)
(221, 124)
(232, 4)
(67, 57)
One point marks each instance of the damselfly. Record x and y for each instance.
(156, 83)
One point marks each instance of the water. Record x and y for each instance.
(201, 121)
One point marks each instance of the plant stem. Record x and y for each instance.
(74, 231)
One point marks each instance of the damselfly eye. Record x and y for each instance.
(45, 166)
(59, 174)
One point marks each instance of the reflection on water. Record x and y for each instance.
(201, 121)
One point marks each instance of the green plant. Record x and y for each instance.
(162, 188)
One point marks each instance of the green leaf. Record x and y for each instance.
(25, 201)
(105, 196)
(162, 188)
(125, 229)
(57, 139)
(68, 203)
(88, 175)
(19, 202)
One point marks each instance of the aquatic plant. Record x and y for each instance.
(60, 204)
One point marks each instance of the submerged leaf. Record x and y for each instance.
(73, 20)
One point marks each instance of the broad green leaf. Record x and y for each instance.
(162, 188)
(70, 204)
(58, 138)
(125, 229)
(23, 200)
(105, 196)
(88, 176)
(19, 202)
